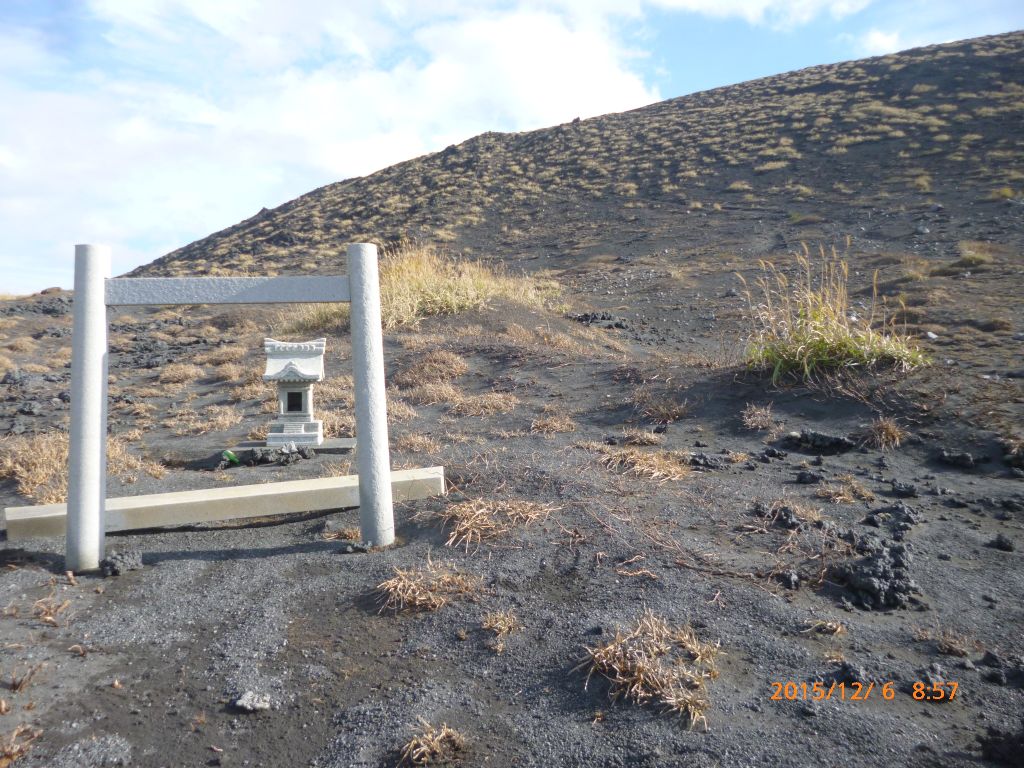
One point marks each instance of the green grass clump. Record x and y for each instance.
(809, 328)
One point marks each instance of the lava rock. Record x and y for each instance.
(814, 442)
(963, 459)
(770, 453)
(1002, 542)
(804, 477)
(118, 563)
(1003, 747)
(703, 461)
(881, 579)
(903, 490)
(600, 319)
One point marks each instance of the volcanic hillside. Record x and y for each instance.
(865, 147)
(817, 567)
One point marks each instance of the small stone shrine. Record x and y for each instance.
(294, 366)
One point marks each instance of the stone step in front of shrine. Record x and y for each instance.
(213, 504)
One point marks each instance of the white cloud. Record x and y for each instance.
(781, 14)
(876, 42)
(186, 116)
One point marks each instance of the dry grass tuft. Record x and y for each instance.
(809, 327)
(487, 404)
(432, 393)
(17, 744)
(399, 410)
(429, 588)
(416, 282)
(221, 355)
(432, 745)
(256, 389)
(660, 407)
(501, 623)
(38, 464)
(22, 680)
(436, 365)
(552, 423)
(348, 533)
(214, 418)
(472, 522)
(846, 491)
(180, 373)
(830, 627)
(228, 372)
(885, 434)
(416, 443)
(339, 423)
(641, 437)
(656, 663)
(948, 642)
(757, 417)
(656, 465)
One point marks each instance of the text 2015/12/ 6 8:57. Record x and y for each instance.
(856, 691)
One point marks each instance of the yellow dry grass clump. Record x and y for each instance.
(416, 443)
(38, 464)
(432, 745)
(180, 373)
(472, 522)
(417, 281)
(213, 418)
(552, 423)
(809, 328)
(656, 465)
(17, 744)
(436, 365)
(656, 663)
(487, 404)
(885, 434)
(429, 588)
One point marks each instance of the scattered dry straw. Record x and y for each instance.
(425, 589)
(846, 491)
(656, 465)
(656, 663)
(477, 520)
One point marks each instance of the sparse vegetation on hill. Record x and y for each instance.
(940, 121)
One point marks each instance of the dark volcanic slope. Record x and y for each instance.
(854, 144)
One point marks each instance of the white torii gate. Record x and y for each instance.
(95, 290)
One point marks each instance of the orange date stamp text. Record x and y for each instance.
(857, 691)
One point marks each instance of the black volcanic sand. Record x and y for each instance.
(653, 320)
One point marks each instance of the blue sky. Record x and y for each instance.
(147, 124)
